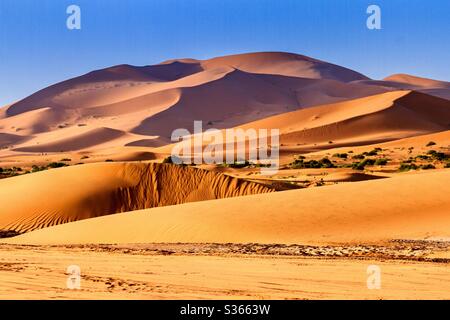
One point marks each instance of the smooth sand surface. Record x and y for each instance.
(412, 206)
(40, 273)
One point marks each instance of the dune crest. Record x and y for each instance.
(86, 191)
(413, 206)
(148, 102)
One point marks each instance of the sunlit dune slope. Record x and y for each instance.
(62, 195)
(412, 206)
(387, 116)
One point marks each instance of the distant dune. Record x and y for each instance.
(123, 108)
(418, 81)
(43, 199)
(413, 206)
(386, 116)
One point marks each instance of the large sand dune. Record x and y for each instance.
(125, 105)
(387, 116)
(58, 196)
(413, 206)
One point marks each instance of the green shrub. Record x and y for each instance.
(358, 156)
(56, 165)
(437, 155)
(362, 164)
(408, 166)
(381, 162)
(358, 166)
(340, 155)
(173, 160)
(373, 152)
(36, 168)
(312, 164)
(427, 167)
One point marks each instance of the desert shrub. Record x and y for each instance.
(372, 152)
(8, 233)
(167, 160)
(84, 157)
(368, 162)
(312, 164)
(422, 157)
(36, 168)
(358, 166)
(427, 167)
(173, 160)
(56, 165)
(447, 165)
(431, 143)
(437, 155)
(109, 160)
(381, 162)
(1, 170)
(340, 155)
(362, 164)
(408, 166)
(65, 160)
(239, 164)
(358, 156)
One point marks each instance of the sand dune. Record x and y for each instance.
(247, 97)
(149, 102)
(85, 140)
(386, 116)
(374, 119)
(369, 211)
(418, 81)
(85, 191)
(286, 64)
(7, 139)
(432, 87)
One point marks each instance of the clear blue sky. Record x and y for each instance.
(36, 48)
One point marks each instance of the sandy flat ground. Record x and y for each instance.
(40, 273)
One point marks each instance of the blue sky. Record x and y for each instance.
(36, 48)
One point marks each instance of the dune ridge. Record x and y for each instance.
(81, 192)
(386, 116)
(149, 102)
(370, 211)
